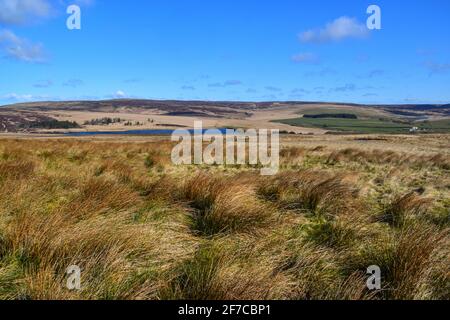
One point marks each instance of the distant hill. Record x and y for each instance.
(15, 117)
(181, 106)
(414, 109)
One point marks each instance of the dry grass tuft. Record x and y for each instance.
(405, 207)
(311, 190)
(16, 170)
(99, 196)
(407, 260)
(222, 205)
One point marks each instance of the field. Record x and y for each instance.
(346, 125)
(436, 126)
(366, 121)
(142, 228)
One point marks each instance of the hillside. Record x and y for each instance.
(151, 114)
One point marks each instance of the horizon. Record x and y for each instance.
(318, 52)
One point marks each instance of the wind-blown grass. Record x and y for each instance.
(142, 228)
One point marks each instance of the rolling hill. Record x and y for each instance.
(286, 116)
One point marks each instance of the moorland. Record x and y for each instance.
(140, 227)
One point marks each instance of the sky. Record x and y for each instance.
(240, 50)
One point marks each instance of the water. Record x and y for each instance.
(152, 132)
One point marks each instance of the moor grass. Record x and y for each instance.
(142, 228)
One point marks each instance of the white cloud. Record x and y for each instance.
(119, 94)
(16, 12)
(20, 12)
(305, 57)
(340, 29)
(24, 97)
(18, 97)
(21, 49)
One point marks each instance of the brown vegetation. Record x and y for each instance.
(141, 228)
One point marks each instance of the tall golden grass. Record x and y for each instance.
(142, 228)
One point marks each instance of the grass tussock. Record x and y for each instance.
(411, 262)
(317, 192)
(404, 208)
(223, 205)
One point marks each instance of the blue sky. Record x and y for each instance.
(249, 50)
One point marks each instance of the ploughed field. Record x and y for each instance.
(142, 228)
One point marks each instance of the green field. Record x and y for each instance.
(440, 126)
(349, 125)
(367, 125)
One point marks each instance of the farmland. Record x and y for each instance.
(339, 122)
(350, 125)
